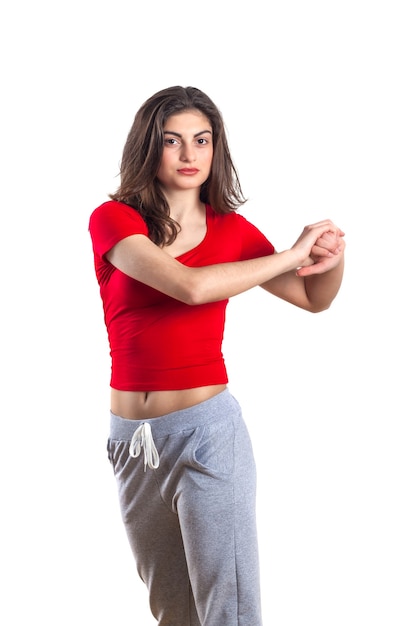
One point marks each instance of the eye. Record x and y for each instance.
(171, 141)
(202, 141)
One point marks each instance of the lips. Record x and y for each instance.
(188, 171)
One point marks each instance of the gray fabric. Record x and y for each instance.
(191, 522)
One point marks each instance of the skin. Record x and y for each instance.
(307, 275)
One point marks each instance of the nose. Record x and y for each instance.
(188, 153)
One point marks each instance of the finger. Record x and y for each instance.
(310, 270)
(331, 227)
(320, 267)
(320, 251)
(331, 242)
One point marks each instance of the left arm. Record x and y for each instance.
(313, 286)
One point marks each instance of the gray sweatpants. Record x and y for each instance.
(191, 522)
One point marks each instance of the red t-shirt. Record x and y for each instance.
(157, 342)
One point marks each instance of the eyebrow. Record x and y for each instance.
(171, 132)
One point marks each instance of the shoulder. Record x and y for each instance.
(232, 219)
(117, 216)
(239, 230)
(111, 222)
(114, 209)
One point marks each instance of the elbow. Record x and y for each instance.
(187, 287)
(198, 288)
(194, 297)
(319, 307)
(190, 299)
(193, 293)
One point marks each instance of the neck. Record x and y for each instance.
(182, 205)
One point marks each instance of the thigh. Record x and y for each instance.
(155, 539)
(217, 513)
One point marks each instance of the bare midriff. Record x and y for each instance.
(139, 405)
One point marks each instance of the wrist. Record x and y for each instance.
(298, 260)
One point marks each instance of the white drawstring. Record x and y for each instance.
(142, 438)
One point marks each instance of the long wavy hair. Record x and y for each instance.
(142, 153)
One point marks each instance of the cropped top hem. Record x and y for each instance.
(180, 386)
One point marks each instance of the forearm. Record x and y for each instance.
(321, 289)
(322, 275)
(225, 280)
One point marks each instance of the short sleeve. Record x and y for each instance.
(254, 242)
(111, 222)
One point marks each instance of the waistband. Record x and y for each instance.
(217, 407)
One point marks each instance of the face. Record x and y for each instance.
(188, 151)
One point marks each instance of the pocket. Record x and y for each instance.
(117, 453)
(214, 448)
(109, 452)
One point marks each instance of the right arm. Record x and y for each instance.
(137, 257)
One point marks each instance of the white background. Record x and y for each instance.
(319, 99)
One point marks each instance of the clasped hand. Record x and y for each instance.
(324, 245)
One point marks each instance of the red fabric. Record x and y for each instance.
(157, 342)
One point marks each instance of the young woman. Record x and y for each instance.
(170, 249)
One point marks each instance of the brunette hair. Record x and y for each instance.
(142, 155)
